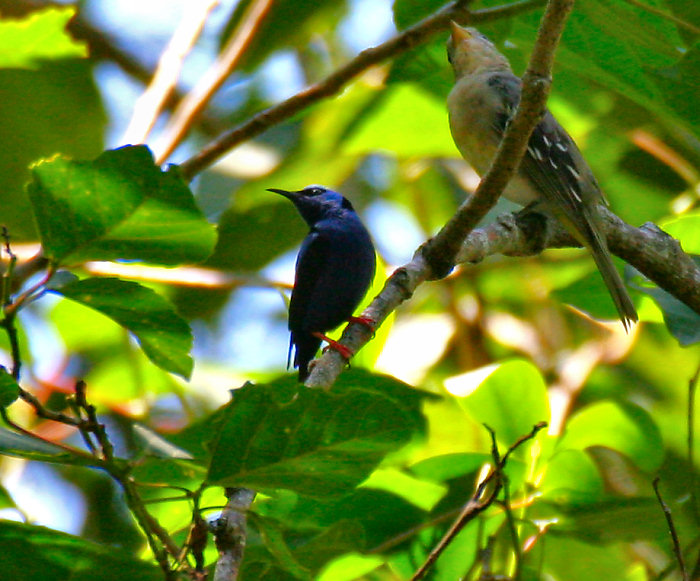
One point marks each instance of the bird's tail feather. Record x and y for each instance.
(616, 287)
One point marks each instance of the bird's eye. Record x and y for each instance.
(313, 191)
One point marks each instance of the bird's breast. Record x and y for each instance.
(472, 108)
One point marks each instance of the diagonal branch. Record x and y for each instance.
(192, 106)
(162, 86)
(410, 38)
(438, 256)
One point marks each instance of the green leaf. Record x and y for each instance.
(40, 36)
(163, 335)
(397, 122)
(119, 206)
(627, 429)
(33, 553)
(571, 475)
(9, 388)
(6, 500)
(509, 398)
(609, 519)
(55, 108)
(686, 229)
(24, 446)
(273, 536)
(682, 321)
(282, 435)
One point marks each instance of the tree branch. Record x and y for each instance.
(230, 532)
(162, 86)
(190, 108)
(438, 255)
(334, 83)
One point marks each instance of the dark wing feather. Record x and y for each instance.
(553, 164)
(311, 266)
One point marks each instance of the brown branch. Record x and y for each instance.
(162, 86)
(230, 531)
(657, 256)
(438, 255)
(334, 83)
(191, 107)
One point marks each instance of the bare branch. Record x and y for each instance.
(193, 104)
(162, 86)
(230, 531)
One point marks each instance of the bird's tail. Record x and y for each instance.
(616, 287)
(305, 348)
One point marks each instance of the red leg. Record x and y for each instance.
(366, 321)
(342, 349)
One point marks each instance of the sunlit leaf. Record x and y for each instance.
(163, 335)
(686, 229)
(120, 205)
(406, 121)
(627, 429)
(40, 36)
(509, 398)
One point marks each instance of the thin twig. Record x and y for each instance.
(334, 83)
(150, 104)
(512, 529)
(193, 104)
(478, 502)
(692, 389)
(671, 529)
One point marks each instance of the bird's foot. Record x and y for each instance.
(344, 351)
(368, 322)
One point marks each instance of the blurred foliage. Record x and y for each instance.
(360, 482)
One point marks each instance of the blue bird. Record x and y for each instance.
(334, 269)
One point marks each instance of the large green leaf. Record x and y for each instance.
(405, 120)
(627, 429)
(31, 553)
(163, 335)
(39, 36)
(510, 398)
(119, 206)
(282, 435)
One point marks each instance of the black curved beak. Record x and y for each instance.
(285, 193)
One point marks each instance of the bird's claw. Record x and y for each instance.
(345, 352)
(368, 322)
